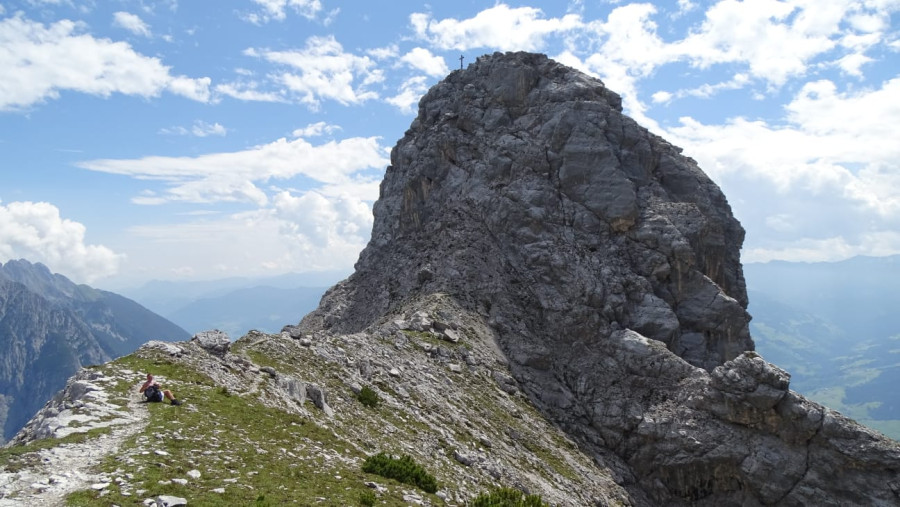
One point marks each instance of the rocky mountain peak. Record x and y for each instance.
(605, 265)
(522, 188)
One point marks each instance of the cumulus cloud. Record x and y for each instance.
(765, 41)
(322, 70)
(248, 91)
(501, 27)
(35, 231)
(41, 60)
(385, 52)
(826, 165)
(322, 229)
(317, 221)
(300, 232)
(820, 147)
(425, 61)
(233, 177)
(316, 129)
(277, 10)
(131, 22)
(410, 92)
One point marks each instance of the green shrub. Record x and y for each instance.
(368, 397)
(367, 498)
(403, 469)
(508, 497)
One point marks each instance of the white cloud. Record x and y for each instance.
(234, 176)
(316, 129)
(40, 61)
(829, 249)
(277, 10)
(303, 232)
(775, 39)
(661, 97)
(706, 90)
(194, 89)
(131, 22)
(685, 6)
(383, 53)
(827, 163)
(322, 70)
(500, 27)
(249, 91)
(425, 61)
(314, 220)
(410, 93)
(36, 232)
(199, 129)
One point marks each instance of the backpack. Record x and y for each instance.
(153, 393)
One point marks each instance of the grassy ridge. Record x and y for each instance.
(247, 453)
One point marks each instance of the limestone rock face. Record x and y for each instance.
(607, 266)
(522, 186)
(215, 342)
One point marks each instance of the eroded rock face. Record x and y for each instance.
(607, 265)
(522, 186)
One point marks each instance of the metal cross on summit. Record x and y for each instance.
(460, 61)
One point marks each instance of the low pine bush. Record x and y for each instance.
(403, 469)
(508, 497)
(367, 498)
(368, 397)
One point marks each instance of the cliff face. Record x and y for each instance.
(606, 265)
(51, 327)
(522, 188)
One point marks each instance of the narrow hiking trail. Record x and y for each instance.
(45, 477)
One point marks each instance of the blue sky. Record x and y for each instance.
(170, 139)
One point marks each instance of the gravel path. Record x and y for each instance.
(71, 467)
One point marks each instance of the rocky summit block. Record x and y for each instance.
(606, 265)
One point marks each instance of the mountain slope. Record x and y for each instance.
(41, 346)
(50, 327)
(833, 326)
(277, 420)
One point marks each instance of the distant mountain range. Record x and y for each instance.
(828, 324)
(50, 327)
(833, 327)
(236, 305)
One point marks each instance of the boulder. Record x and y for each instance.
(215, 342)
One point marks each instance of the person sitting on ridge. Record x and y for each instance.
(153, 392)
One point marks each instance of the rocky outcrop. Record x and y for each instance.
(215, 342)
(606, 265)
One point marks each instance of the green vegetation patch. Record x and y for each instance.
(368, 397)
(402, 469)
(247, 453)
(507, 497)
